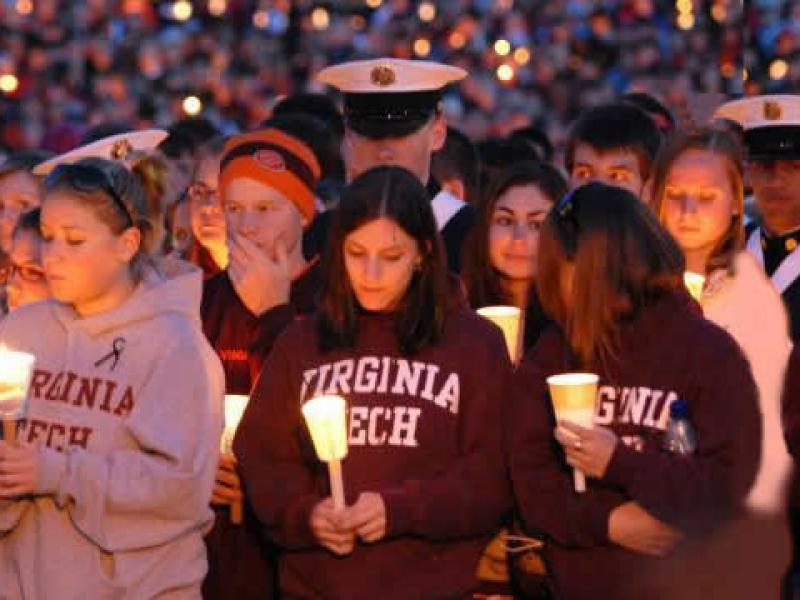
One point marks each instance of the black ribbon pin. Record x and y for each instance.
(117, 347)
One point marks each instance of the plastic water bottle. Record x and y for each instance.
(680, 437)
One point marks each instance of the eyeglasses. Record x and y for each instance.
(203, 195)
(568, 222)
(28, 273)
(88, 179)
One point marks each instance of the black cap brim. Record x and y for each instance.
(385, 115)
(779, 142)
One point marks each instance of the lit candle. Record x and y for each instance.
(509, 320)
(16, 369)
(326, 420)
(573, 396)
(234, 409)
(694, 283)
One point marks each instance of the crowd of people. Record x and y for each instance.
(534, 62)
(326, 251)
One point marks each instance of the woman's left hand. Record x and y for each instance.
(19, 469)
(367, 517)
(588, 449)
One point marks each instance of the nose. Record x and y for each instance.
(247, 224)
(385, 154)
(688, 204)
(51, 254)
(210, 207)
(372, 269)
(519, 232)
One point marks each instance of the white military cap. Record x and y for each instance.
(115, 147)
(771, 124)
(388, 96)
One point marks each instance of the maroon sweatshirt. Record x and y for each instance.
(424, 432)
(239, 562)
(791, 425)
(241, 339)
(668, 352)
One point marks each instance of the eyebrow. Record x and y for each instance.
(387, 248)
(66, 227)
(528, 213)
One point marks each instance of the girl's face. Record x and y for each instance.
(19, 193)
(26, 280)
(83, 259)
(514, 231)
(380, 259)
(698, 200)
(205, 206)
(262, 215)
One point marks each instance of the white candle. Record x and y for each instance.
(509, 320)
(16, 369)
(235, 405)
(327, 423)
(694, 283)
(573, 396)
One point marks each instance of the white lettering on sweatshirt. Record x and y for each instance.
(385, 375)
(633, 406)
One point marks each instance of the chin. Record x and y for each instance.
(374, 304)
(518, 274)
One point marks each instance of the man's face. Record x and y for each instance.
(412, 152)
(776, 185)
(612, 167)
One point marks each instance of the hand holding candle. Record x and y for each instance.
(326, 420)
(16, 369)
(573, 396)
(234, 409)
(509, 319)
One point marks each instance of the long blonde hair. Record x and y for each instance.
(726, 147)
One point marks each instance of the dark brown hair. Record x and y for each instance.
(623, 261)
(484, 283)
(616, 126)
(723, 145)
(396, 194)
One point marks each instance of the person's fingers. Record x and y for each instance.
(281, 256)
(228, 494)
(372, 530)
(340, 549)
(355, 519)
(235, 249)
(565, 438)
(228, 478)
(249, 248)
(218, 500)
(8, 467)
(227, 461)
(575, 429)
(334, 538)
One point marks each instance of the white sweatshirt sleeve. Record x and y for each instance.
(131, 499)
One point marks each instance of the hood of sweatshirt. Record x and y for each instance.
(168, 286)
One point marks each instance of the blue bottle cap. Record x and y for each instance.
(679, 409)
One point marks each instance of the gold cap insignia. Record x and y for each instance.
(772, 110)
(383, 75)
(121, 149)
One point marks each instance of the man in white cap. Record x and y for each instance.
(772, 135)
(393, 116)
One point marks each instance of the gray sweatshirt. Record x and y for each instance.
(126, 409)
